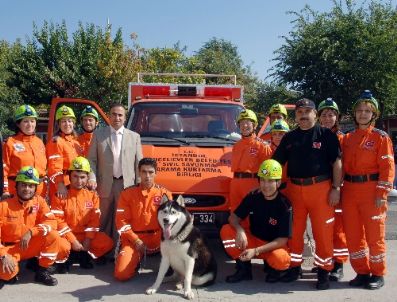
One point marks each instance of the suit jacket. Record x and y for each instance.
(100, 156)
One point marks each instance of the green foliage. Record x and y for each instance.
(91, 65)
(9, 96)
(341, 53)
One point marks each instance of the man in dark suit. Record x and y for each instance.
(114, 155)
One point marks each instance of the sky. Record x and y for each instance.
(256, 27)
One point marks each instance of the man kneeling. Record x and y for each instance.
(270, 219)
(78, 220)
(26, 224)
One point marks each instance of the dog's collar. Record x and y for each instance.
(183, 235)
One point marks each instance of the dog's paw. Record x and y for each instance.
(151, 291)
(179, 285)
(189, 295)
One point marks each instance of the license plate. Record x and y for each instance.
(204, 218)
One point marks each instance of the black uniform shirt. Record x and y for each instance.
(309, 152)
(269, 219)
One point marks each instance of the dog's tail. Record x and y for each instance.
(204, 280)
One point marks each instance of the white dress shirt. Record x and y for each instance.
(116, 139)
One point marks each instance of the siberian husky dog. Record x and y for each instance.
(183, 248)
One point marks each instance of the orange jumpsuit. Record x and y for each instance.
(15, 220)
(369, 169)
(341, 252)
(23, 150)
(61, 150)
(247, 155)
(85, 140)
(136, 218)
(78, 219)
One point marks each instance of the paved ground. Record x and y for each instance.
(81, 285)
(99, 285)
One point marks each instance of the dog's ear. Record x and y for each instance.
(181, 201)
(164, 199)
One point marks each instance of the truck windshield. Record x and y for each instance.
(185, 122)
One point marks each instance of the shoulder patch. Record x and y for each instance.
(381, 132)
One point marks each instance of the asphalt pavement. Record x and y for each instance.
(99, 285)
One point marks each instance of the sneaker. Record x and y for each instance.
(337, 272)
(375, 282)
(44, 277)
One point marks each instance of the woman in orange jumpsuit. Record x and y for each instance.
(24, 149)
(328, 113)
(369, 169)
(61, 150)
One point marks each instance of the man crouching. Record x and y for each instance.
(270, 218)
(26, 231)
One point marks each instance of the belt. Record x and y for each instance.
(310, 180)
(362, 178)
(120, 177)
(8, 243)
(244, 175)
(146, 232)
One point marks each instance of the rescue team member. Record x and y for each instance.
(24, 149)
(26, 230)
(313, 155)
(270, 217)
(369, 172)
(277, 131)
(247, 155)
(276, 112)
(136, 220)
(78, 219)
(61, 150)
(89, 121)
(328, 113)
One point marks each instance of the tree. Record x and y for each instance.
(91, 65)
(340, 53)
(9, 96)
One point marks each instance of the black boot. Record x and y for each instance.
(322, 279)
(292, 274)
(375, 282)
(13, 280)
(85, 260)
(32, 264)
(63, 268)
(243, 272)
(360, 280)
(274, 275)
(44, 277)
(337, 272)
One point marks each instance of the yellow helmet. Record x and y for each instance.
(25, 111)
(28, 175)
(80, 164)
(90, 111)
(278, 108)
(64, 111)
(279, 125)
(270, 169)
(367, 96)
(247, 115)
